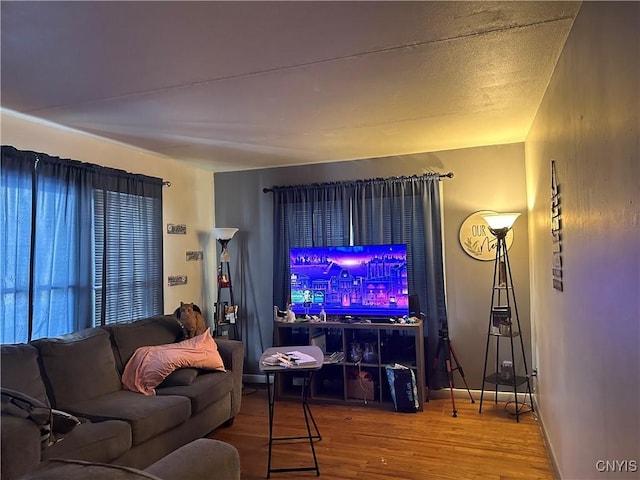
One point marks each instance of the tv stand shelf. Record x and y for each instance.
(347, 380)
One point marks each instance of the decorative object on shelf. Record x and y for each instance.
(506, 370)
(369, 354)
(476, 239)
(289, 315)
(503, 314)
(226, 312)
(355, 352)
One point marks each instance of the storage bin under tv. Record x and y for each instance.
(345, 380)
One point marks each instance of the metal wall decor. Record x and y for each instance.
(176, 229)
(174, 280)
(194, 256)
(556, 230)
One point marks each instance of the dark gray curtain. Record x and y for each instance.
(395, 210)
(407, 210)
(306, 216)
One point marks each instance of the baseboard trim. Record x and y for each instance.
(547, 441)
(503, 396)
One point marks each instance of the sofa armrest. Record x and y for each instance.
(20, 447)
(201, 459)
(232, 353)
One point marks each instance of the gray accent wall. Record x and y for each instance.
(485, 178)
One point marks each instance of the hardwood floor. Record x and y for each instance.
(369, 442)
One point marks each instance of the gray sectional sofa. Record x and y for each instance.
(80, 374)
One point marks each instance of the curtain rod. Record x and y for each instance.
(441, 176)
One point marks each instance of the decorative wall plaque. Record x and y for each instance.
(176, 229)
(556, 230)
(174, 280)
(476, 239)
(194, 256)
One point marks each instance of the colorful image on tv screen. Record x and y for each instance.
(368, 280)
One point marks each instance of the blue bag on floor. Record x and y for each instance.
(402, 383)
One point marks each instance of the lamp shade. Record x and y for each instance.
(500, 221)
(224, 233)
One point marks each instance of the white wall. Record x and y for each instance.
(587, 337)
(188, 201)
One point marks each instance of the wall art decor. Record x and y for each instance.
(177, 280)
(476, 239)
(174, 229)
(194, 256)
(556, 230)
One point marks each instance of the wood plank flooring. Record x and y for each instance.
(374, 443)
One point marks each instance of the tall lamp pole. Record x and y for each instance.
(501, 312)
(224, 235)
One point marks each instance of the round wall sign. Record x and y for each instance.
(476, 239)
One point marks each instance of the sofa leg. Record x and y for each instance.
(229, 422)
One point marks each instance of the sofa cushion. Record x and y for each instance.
(206, 389)
(20, 447)
(128, 337)
(59, 468)
(96, 442)
(147, 415)
(19, 370)
(203, 458)
(180, 377)
(79, 366)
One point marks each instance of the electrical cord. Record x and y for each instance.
(520, 410)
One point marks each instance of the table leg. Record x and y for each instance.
(306, 410)
(271, 399)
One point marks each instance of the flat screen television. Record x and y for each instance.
(362, 281)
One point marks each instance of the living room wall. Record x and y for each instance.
(485, 178)
(586, 337)
(188, 200)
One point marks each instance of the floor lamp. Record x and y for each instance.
(503, 309)
(225, 315)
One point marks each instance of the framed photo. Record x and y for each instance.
(226, 314)
(501, 315)
(230, 313)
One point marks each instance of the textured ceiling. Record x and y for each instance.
(242, 85)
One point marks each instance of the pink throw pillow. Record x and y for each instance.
(149, 366)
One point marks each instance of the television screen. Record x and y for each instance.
(367, 280)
